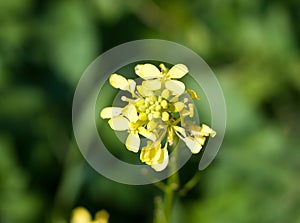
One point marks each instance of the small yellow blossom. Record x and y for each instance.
(157, 110)
(82, 215)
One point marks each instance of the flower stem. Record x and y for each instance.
(190, 184)
(171, 187)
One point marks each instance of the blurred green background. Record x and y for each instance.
(253, 48)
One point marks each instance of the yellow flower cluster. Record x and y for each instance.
(156, 110)
(82, 215)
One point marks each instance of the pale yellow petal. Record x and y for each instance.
(149, 152)
(152, 125)
(131, 113)
(162, 162)
(165, 94)
(144, 155)
(133, 142)
(110, 112)
(81, 215)
(192, 144)
(200, 140)
(118, 81)
(177, 71)
(152, 85)
(132, 85)
(118, 123)
(147, 134)
(178, 106)
(180, 131)
(176, 87)
(143, 91)
(147, 71)
(206, 131)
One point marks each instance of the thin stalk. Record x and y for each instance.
(190, 184)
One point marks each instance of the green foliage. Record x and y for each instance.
(252, 46)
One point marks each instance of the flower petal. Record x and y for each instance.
(151, 153)
(143, 91)
(110, 112)
(133, 142)
(131, 113)
(200, 140)
(176, 87)
(163, 160)
(132, 85)
(207, 131)
(147, 71)
(80, 214)
(147, 134)
(180, 131)
(177, 71)
(118, 123)
(118, 81)
(152, 85)
(178, 106)
(193, 145)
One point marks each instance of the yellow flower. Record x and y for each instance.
(82, 215)
(157, 109)
(155, 156)
(155, 79)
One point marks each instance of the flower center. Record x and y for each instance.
(152, 107)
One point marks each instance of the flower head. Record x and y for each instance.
(159, 110)
(82, 215)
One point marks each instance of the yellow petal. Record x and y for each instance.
(151, 153)
(147, 134)
(118, 123)
(178, 106)
(200, 140)
(176, 87)
(133, 142)
(81, 215)
(152, 85)
(163, 160)
(110, 112)
(192, 144)
(131, 113)
(180, 131)
(118, 81)
(147, 71)
(178, 71)
(132, 85)
(206, 131)
(165, 94)
(143, 91)
(152, 125)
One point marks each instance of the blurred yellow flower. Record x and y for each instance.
(159, 108)
(82, 215)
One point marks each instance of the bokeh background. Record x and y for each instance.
(253, 48)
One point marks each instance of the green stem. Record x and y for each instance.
(190, 184)
(171, 187)
(168, 203)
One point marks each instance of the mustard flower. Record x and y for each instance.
(82, 215)
(158, 109)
